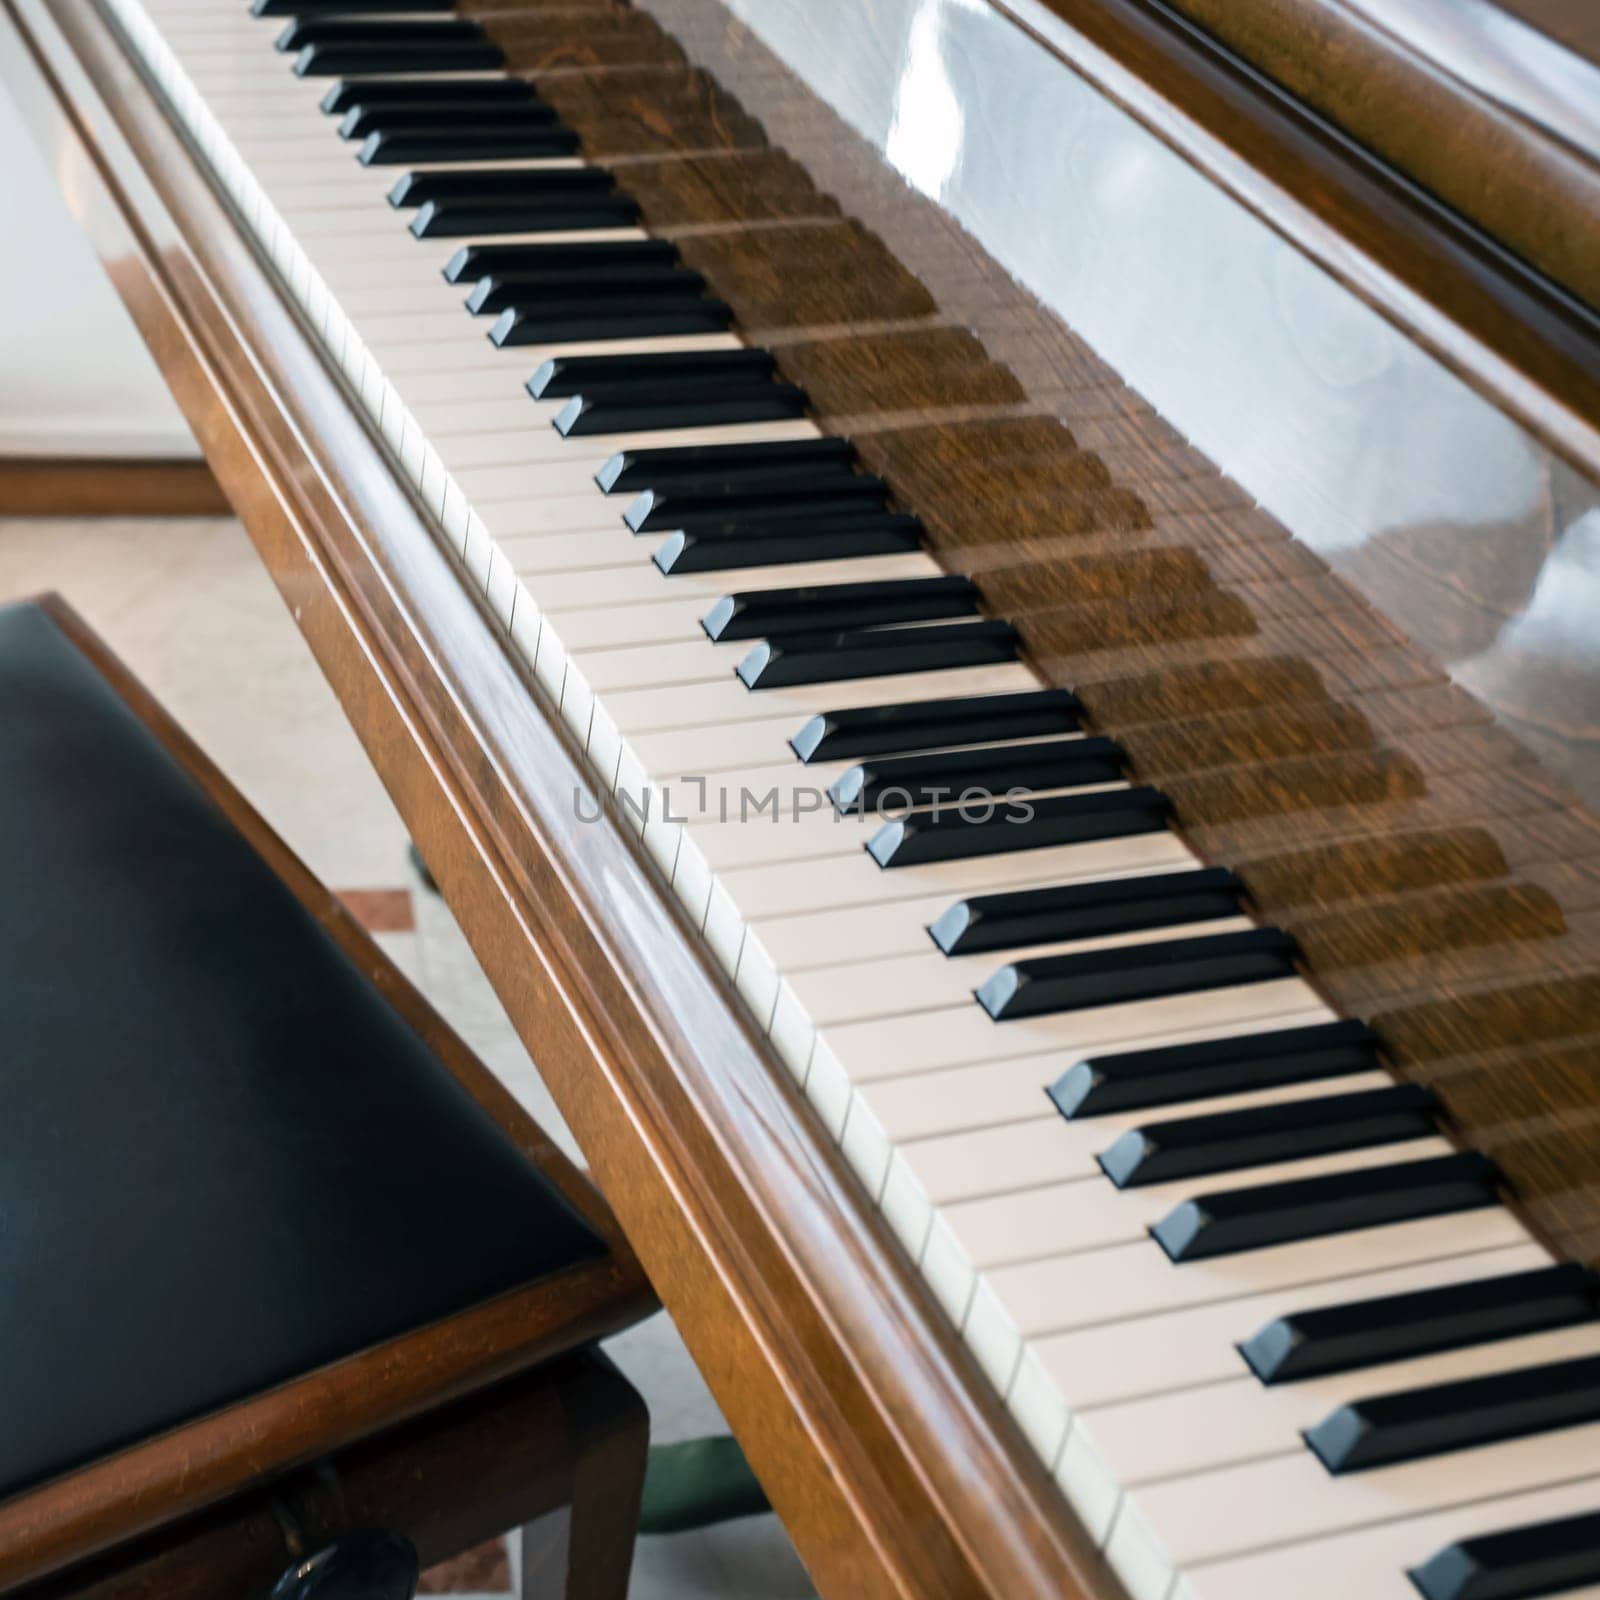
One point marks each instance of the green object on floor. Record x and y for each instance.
(698, 1483)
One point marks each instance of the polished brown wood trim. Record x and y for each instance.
(1516, 337)
(519, 1453)
(200, 1463)
(60, 486)
(894, 1466)
(1456, 98)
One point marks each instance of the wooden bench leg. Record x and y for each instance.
(583, 1550)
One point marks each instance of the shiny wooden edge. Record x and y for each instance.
(84, 1513)
(892, 1463)
(1457, 105)
(73, 486)
(1514, 336)
(516, 1456)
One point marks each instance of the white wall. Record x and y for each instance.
(75, 378)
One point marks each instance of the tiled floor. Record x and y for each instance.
(186, 604)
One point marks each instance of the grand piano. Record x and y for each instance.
(988, 612)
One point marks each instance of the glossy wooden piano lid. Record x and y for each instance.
(894, 1466)
(1481, 199)
(1492, 106)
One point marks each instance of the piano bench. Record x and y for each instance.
(296, 1297)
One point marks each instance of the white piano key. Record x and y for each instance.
(419, 265)
(589, 554)
(1162, 1527)
(955, 1035)
(330, 177)
(522, 473)
(454, 403)
(892, 928)
(1225, 1424)
(1372, 1561)
(866, 987)
(605, 627)
(468, 351)
(788, 888)
(731, 701)
(975, 1102)
(719, 749)
(781, 766)
(366, 250)
(791, 822)
(640, 666)
(1116, 1285)
(1165, 1352)
(447, 324)
(644, 584)
(1047, 1209)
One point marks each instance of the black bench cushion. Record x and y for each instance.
(224, 1160)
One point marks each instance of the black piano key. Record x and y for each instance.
(325, 29)
(454, 93)
(1031, 824)
(1310, 1208)
(569, 375)
(1545, 1558)
(533, 186)
(1399, 1327)
(946, 776)
(354, 60)
(588, 320)
(515, 291)
(474, 261)
(824, 499)
(1135, 972)
(696, 405)
(781, 464)
(760, 613)
(785, 544)
(447, 116)
(801, 658)
(936, 724)
(397, 147)
(1069, 911)
(1457, 1416)
(1231, 1141)
(1134, 1080)
(330, 8)
(456, 219)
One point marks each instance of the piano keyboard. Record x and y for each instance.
(1269, 1330)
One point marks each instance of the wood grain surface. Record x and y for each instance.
(1452, 100)
(496, 1460)
(49, 486)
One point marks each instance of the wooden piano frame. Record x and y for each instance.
(893, 1465)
